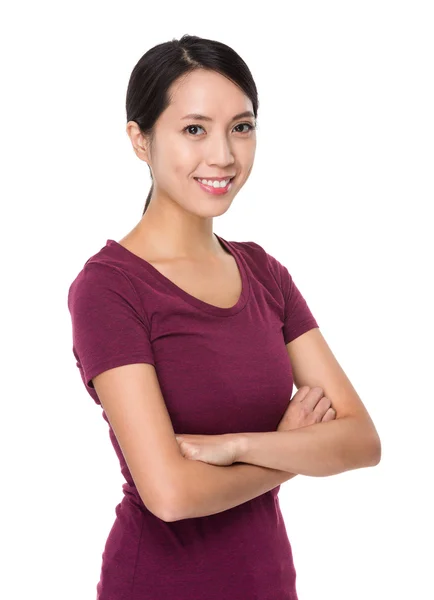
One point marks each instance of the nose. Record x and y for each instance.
(219, 151)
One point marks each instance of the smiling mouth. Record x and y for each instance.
(215, 178)
(217, 189)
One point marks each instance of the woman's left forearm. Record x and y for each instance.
(317, 450)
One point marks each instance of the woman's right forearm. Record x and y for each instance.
(206, 489)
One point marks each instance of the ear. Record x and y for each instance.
(138, 140)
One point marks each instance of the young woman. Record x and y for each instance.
(191, 344)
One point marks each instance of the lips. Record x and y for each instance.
(215, 178)
(215, 190)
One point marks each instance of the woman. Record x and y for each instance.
(191, 344)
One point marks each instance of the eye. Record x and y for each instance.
(249, 125)
(192, 127)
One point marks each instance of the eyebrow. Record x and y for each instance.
(247, 113)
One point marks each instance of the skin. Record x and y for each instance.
(178, 223)
(177, 227)
(307, 406)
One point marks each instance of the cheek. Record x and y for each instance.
(187, 153)
(181, 154)
(185, 160)
(175, 163)
(250, 149)
(248, 157)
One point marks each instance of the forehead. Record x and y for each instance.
(208, 93)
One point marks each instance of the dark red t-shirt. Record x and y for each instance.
(221, 370)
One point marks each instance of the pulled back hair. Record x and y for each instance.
(148, 88)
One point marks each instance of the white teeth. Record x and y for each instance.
(215, 183)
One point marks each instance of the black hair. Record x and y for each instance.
(147, 94)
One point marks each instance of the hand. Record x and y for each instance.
(307, 406)
(218, 450)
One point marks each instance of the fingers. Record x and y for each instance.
(314, 400)
(330, 415)
(312, 397)
(300, 394)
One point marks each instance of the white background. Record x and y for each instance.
(340, 192)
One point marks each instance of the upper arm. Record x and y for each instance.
(113, 347)
(314, 365)
(134, 405)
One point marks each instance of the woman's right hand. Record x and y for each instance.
(307, 407)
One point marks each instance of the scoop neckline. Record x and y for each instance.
(196, 302)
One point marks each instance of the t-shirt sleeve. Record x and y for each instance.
(298, 317)
(109, 326)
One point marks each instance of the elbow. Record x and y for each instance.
(162, 508)
(375, 445)
(167, 509)
(173, 512)
(365, 448)
(165, 500)
(171, 506)
(376, 452)
(158, 507)
(373, 456)
(172, 509)
(170, 518)
(167, 517)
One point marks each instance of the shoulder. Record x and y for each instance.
(248, 247)
(263, 261)
(104, 268)
(252, 252)
(103, 293)
(98, 277)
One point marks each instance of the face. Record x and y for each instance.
(186, 148)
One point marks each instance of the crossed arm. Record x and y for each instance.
(210, 489)
(318, 450)
(349, 442)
